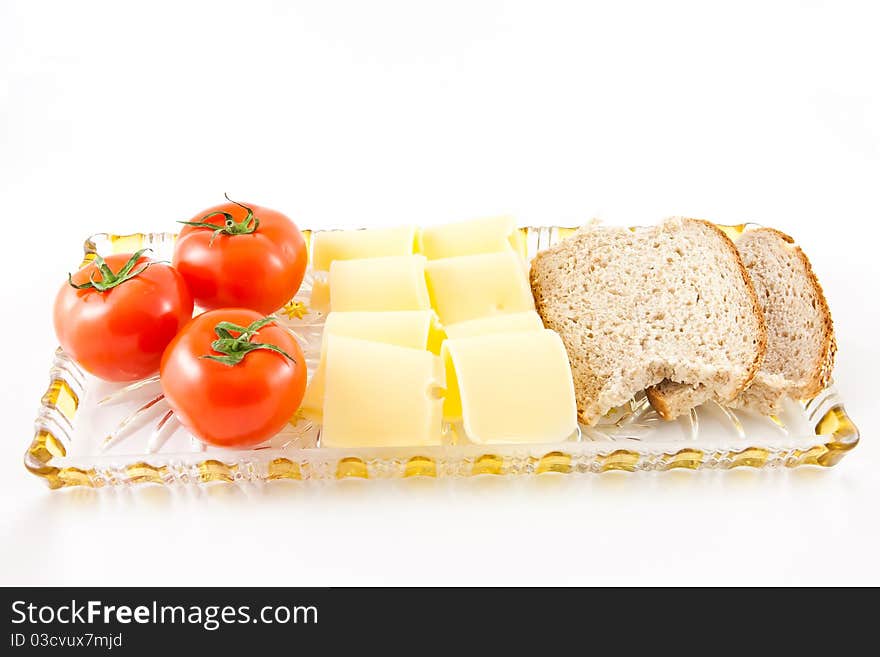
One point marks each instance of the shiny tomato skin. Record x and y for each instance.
(261, 270)
(121, 333)
(235, 406)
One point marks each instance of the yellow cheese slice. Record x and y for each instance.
(330, 245)
(312, 404)
(519, 242)
(507, 323)
(404, 328)
(511, 387)
(389, 283)
(381, 395)
(319, 300)
(452, 398)
(416, 329)
(475, 286)
(488, 235)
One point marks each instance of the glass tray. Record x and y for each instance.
(92, 433)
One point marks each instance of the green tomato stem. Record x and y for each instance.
(109, 278)
(234, 349)
(230, 226)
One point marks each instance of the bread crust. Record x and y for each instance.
(658, 403)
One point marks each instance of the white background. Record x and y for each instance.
(123, 117)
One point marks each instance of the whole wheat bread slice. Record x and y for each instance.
(800, 335)
(635, 307)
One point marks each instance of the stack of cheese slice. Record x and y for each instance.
(433, 325)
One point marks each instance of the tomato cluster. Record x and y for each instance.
(232, 376)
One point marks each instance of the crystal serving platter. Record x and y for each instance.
(93, 433)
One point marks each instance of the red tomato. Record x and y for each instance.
(226, 384)
(234, 255)
(119, 333)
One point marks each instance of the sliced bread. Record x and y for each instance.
(635, 307)
(800, 334)
(800, 345)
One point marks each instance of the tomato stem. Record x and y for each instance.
(230, 226)
(234, 349)
(109, 278)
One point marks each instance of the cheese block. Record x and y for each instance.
(507, 323)
(389, 283)
(404, 328)
(416, 329)
(312, 405)
(489, 235)
(381, 395)
(331, 245)
(475, 286)
(510, 387)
